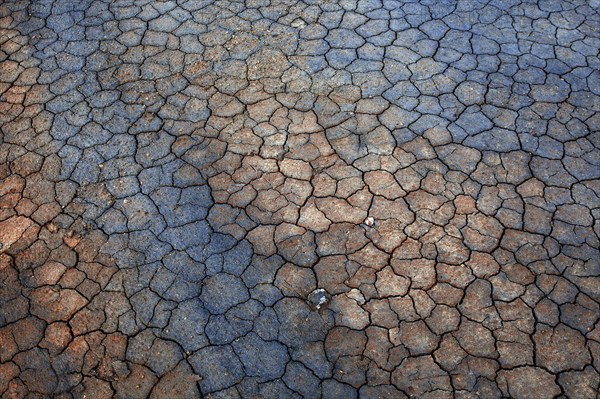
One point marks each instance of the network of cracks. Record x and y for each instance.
(299, 199)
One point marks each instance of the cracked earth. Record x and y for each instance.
(179, 177)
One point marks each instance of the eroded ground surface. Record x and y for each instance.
(179, 176)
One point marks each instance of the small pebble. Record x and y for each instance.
(318, 298)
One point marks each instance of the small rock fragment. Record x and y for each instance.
(318, 298)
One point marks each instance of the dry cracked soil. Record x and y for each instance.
(177, 178)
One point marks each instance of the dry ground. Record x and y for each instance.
(178, 176)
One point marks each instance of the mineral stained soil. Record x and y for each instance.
(177, 178)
